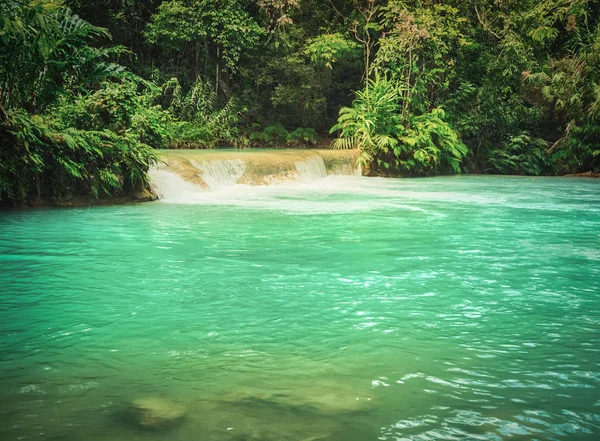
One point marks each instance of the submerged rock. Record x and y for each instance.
(155, 413)
(306, 399)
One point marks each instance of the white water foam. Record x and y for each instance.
(330, 194)
(307, 186)
(171, 187)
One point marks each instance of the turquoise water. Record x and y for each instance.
(348, 309)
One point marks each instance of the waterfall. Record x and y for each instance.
(184, 174)
(312, 168)
(171, 186)
(220, 172)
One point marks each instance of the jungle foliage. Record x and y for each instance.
(88, 89)
(71, 120)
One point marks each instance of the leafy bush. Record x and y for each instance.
(303, 137)
(327, 49)
(520, 155)
(125, 106)
(201, 122)
(432, 146)
(40, 159)
(277, 135)
(415, 145)
(371, 124)
(272, 136)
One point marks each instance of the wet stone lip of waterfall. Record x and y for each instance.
(196, 170)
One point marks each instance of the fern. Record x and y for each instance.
(374, 125)
(202, 122)
(520, 155)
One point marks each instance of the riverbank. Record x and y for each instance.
(589, 174)
(80, 201)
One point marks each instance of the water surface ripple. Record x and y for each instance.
(345, 309)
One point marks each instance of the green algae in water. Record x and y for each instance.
(346, 309)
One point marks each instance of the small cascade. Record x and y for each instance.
(312, 168)
(220, 172)
(185, 174)
(172, 186)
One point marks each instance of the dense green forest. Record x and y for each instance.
(88, 89)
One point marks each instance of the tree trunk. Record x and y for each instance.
(217, 73)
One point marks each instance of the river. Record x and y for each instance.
(322, 306)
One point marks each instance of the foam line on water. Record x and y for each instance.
(331, 194)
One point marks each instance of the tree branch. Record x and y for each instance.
(336, 9)
(485, 26)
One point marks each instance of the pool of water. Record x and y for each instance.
(344, 309)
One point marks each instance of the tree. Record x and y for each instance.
(216, 32)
